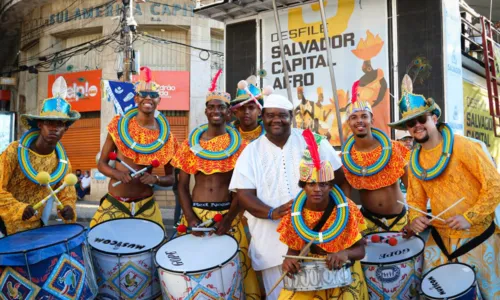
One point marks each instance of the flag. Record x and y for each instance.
(121, 93)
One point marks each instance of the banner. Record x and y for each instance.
(452, 60)
(174, 89)
(496, 50)
(359, 42)
(478, 121)
(84, 93)
(120, 93)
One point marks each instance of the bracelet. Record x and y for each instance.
(270, 214)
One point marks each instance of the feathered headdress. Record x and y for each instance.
(312, 169)
(146, 84)
(215, 95)
(357, 103)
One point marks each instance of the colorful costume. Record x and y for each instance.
(189, 160)
(467, 173)
(387, 174)
(19, 166)
(122, 130)
(273, 172)
(346, 238)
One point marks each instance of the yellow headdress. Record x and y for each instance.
(147, 84)
(312, 169)
(215, 95)
(357, 104)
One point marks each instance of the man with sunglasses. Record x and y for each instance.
(382, 163)
(463, 186)
(138, 138)
(210, 196)
(19, 188)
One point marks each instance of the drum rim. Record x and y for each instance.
(451, 296)
(397, 261)
(130, 253)
(83, 231)
(196, 271)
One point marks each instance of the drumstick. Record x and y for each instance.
(155, 163)
(302, 253)
(216, 219)
(43, 178)
(113, 156)
(416, 209)
(305, 257)
(453, 205)
(69, 180)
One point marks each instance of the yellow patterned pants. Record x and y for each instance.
(357, 290)
(250, 283)
(142, 209)
(379, 223)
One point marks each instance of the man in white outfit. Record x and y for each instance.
(266, 178)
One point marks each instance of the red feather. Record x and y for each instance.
(313, 147)
(213, 86)
(355, 87)
(147, 73)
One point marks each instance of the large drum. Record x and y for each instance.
(51, 262)
(393, 272)
(207, 267)
(314, 276)
(122, 251)
(450, 281)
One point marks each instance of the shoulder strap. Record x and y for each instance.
(326, 214)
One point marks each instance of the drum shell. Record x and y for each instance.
(220, 282)
(316, 276)
(471, 293)
(140, 268)
(395, 280)
(50, 277)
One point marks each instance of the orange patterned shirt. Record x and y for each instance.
(143, 135)
(185, 159)
(386, 177)
(348, 237)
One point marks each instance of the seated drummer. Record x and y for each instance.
(319, 214)
(380, 190)
(19, 189)
(211, 194)
(134, 196)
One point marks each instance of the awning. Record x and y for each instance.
(225, 10)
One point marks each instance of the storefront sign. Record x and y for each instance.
(359, 42)
(174, 89)
(84, 92)
(7, 81)
(478, 121)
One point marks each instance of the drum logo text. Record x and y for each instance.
(394, 253)
(388, 274)
(118, 244)
(174, 258)
(437, 286)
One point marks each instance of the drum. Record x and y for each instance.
(314, 276)
(50, 262)
(450, 281)
(207, 267)
(122, 251)
(393, 271)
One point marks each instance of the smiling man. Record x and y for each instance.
(212, 175)
(373, 164)
(138, 138)
(41, 151)
(446, 168)
(265, 179)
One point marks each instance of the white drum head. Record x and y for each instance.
(126, 236)
(377, 253)
(448, 281)
(192, 254)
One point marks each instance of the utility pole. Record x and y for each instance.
(129, 26)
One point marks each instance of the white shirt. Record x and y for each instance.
(274, 173)
(85, 182)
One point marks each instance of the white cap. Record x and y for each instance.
(402, 134)
(277, 101)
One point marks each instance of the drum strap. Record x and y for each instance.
(324, 217)
(125, 210)
(375, 218)
(471, 244)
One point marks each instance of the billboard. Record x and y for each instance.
(84, 89)
(174, 89)
(359, 42)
